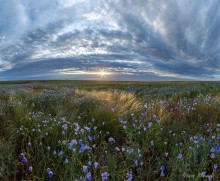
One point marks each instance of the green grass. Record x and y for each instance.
(126, 127)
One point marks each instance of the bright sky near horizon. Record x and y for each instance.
(110, 39)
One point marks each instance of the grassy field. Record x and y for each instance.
(99, 130)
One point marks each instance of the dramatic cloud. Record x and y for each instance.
(141, 40)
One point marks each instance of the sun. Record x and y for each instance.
(102, 74)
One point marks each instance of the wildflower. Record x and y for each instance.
(89, 176)
(136, 162)
(85, 168)
(29, 143)
(150, 124)
(162, 168)
(213, 155)
(30, 168)
(124, 127)
(82, 147)
(49, 173)
(129, 176)
(54, 153)
(105, 175)
(203, 174)
(117, 149)
(23, 158)
(158, 122)
(48, 147)
(130, 151)
(61, 152)
(212, 150)
(89, 138)
(123, 149)
(65, 126)
(111, 139)
(95, 164)
(215, 166)
(217, 147)
(89, 163)
(180, 155)
(46, 134)
(66, 161)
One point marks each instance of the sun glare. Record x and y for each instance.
(102, 74)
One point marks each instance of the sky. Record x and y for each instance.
(146, 40)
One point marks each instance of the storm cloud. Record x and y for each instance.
(132, 40)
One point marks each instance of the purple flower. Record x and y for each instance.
(150, 124)
(49, 173)
(162, 168)
(129, 176)
(89, 176)
(82, 147)
(203, 174)
(117, 149)
(23, 158)
(30, 168)
(46, 134)
(105, 175)
(95, 164)
(212, 150)
(85, 168)
(213, 155)
(180, 155)
(111, 139)
(215, 166)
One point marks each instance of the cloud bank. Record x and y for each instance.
(141, 40)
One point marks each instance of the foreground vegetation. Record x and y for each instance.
(110, 131)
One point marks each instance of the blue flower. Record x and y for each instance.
(23, 158)
(49, 173)
(215, 166)
(30, 168)
(217, 147)
(180, 155)
(105, 175)
(89, 176)
(111, 139)
(213, 155)
(129, 176)
(212, 150)
(162, 168)
(203, 174)
(150, 124)
(96, 164)
(82, 147)
(85, 168)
